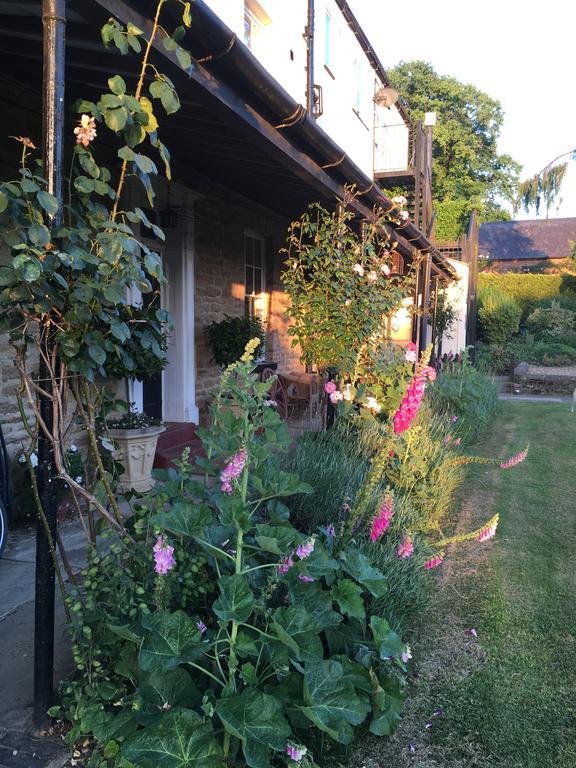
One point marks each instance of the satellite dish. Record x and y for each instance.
(386, 97)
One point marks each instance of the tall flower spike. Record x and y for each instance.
(163, 556)
(513, 460)
(435, 561)
(382, 520)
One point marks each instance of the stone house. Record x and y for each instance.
(281, 107)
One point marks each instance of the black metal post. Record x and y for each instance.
(425, 307)
(309, 35)
(54, 23)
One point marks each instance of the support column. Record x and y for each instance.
(54, 23)
(425, 305)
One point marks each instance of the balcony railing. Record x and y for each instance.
(392, 147)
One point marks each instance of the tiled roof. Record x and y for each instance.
(531, 239)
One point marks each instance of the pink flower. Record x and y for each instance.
(331, 531)
(458, 441)
(372, 276)
(336, 396)
(446, 440)
(406, 655)
(435, 561)
(386, 270)
(305, 549)
(163, 556)
(201, 626)
(359, 269)
(295, 751)
(232, 471)
(305, 579)
(287, 563)
(399, 200)
(411, 353)
(330, 387)
(472, 633)
(430, 373)
(511, 462)
(488, 531)
(454, 419)
(86, 131)
(406, 547)
(404, 215)
(382, 520)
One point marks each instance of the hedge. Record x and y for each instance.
(528, 290)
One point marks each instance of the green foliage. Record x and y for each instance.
(466, 163)
(529, 290)
(502, 358)
(498, 314)
(453, 216)
(338, 286)
(227, 339)
(552, 321)
(543, 187)
(289, 649)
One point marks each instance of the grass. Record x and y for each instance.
(508, 698)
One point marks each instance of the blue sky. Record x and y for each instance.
(522, 53)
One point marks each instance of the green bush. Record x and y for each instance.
(498, 315)
(502, 358)
(228, 338)
(553, 321)
(529, 290)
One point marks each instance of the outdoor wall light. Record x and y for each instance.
(386, 97)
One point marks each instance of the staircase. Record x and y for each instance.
(173, 441)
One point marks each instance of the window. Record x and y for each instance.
(328, 40)
(251, 27)
(255, 286)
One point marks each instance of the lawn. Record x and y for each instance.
(507, 697)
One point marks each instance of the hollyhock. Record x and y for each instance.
(295, 751)
(406, 547)
(163, 556)
(232, 471)
(434, 561)
(286, 564)
(511, 462)
(86, 131)
(336, 396)
(306, 579)
(330, 387)
(359, 269)
(382, 520)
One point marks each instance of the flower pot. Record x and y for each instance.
(136, 449)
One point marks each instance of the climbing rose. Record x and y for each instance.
(404, 215)
(385, 269)
(399, 200)
(86, 131)
(373, 405)
(372, 276)
(232, 471)
(410, 355)
(359, 269)
(382, 520)
(163, 556)
(434, 561)
(295, 751)
(330, 387)
(511, 462)
(405, 548)
(347, 394)
(336, 397)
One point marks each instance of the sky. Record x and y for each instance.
(522, 53)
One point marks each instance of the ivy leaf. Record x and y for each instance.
(3, 202)
(332, 703)
(46, 200)
(357, 565)
(174, 639)
(39, 234)
(258, 720)
(117, 85)
(236, 601)
(185, 519)
(348, 595)
(181, 739)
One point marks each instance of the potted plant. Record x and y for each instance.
(135, 437)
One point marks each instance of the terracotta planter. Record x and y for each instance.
(136, 449)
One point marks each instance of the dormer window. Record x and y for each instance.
(255, 19)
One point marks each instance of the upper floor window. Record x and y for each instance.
(328, 32)
(255, 18)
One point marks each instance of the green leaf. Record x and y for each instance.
(182, 739)
(31, 270)
(84, 185)
(116, 119)
(97, 354)
(173, 640)
(3, 202)
(46, 200)
(185, 519)
(125, 153)
(389, 644)
(145, 164)
(39, 234)
(357, 565)
(387, 705)
(317, 602)
(117, 85)
(258, 720)
(276, 539)
(162, 90)
(332, 703)
(184, 58)
(7, 276)
(153, 264)
(186, 17)
(115, 294)
(348, 595)
(299, 630)
(236, 601)
(175, 688)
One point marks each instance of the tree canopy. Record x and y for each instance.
(466, 164)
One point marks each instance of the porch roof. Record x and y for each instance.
(237, 126)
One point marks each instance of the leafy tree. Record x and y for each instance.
(467, 168)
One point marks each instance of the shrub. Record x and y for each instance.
(529, 290)
(227, 339)
(552, 321)
(498, 315)
(502, 358)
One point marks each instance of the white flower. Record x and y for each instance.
(347, 303)
(359, 269)
(22, 458)
(73, 448)
(404, 215)
(79, 479)
(347, 394)
(86, 131)
(385, 269)
(336, 396)
(399, 200)
(373, 404)
(270, 403)
(33, 459)
(410, 356)
(372, 276)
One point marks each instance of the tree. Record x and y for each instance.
(467, 168)
(545, 185)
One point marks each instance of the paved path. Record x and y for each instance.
(535, 398)
(17, 748)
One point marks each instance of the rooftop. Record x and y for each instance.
(530, 239)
